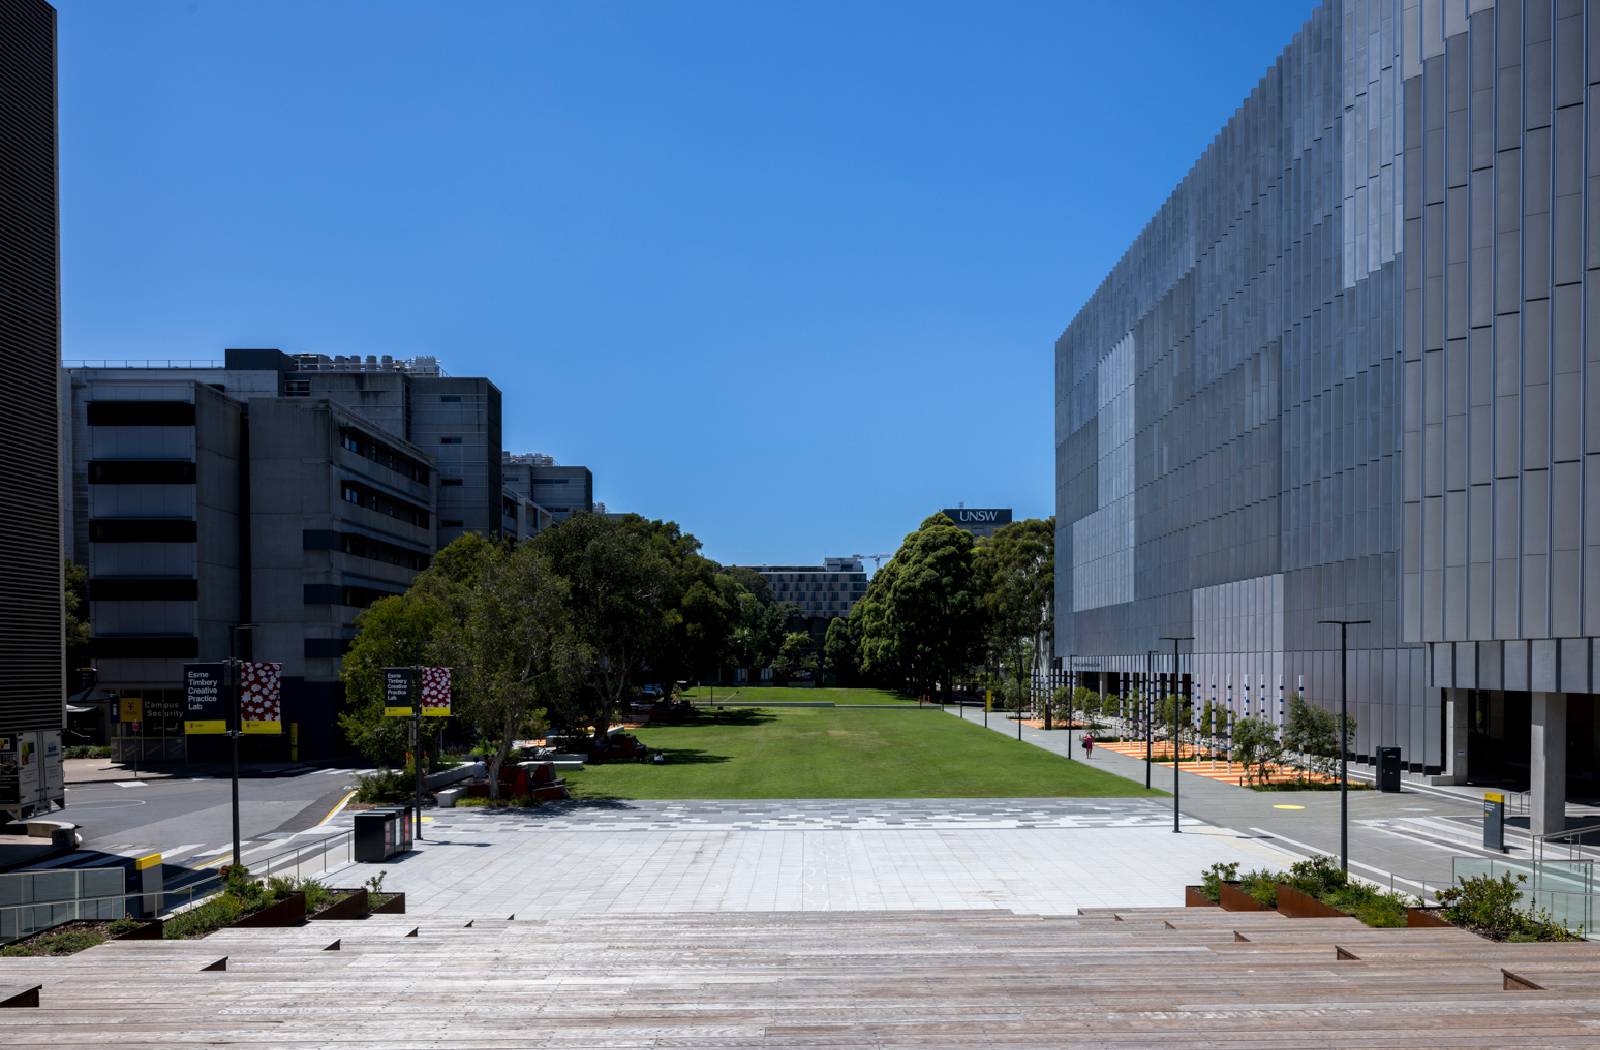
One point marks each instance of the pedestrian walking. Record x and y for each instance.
(1088, 744)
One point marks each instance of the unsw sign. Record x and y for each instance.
(979, 518)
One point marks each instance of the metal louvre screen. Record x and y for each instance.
(31, 603)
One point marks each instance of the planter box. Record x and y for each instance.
(1235, 899)
(1194, 898)
(150, 931)
(351, 907)
(1426, 917)
(1297, 905)
(291, 911)
(395, 905)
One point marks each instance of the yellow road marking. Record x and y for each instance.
(1288, 807)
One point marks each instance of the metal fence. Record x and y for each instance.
(31, 901)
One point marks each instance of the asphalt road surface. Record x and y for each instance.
(189, 820)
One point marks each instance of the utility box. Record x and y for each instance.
(382, 833)
(1389, 769)
(22, 780)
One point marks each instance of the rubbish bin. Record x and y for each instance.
(382, 833)
(1389, 769)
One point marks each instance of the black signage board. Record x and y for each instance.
(397, 690)
(205, 709)
(1494, 821)
(969, 518)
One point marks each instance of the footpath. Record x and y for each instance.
(1406, 840)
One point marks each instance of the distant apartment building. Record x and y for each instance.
(559, 490)
(821, 591)
(32, 655)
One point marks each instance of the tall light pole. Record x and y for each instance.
(1175, 700)
(1344, 736)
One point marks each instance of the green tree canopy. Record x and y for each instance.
(922, 615)
(1014, 570)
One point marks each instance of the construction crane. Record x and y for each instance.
(877, 559)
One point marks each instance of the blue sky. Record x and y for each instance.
(789, 274)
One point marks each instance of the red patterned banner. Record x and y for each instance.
(436, 691)
(261, 697)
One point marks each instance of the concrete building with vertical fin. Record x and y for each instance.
(1343, 373)
(32, 607)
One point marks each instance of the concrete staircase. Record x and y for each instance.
(1151, 977)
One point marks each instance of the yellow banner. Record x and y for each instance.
(435, 712)
(397, 711)
(202, 728)
(252, 728)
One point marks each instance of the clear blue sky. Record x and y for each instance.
(787, 273)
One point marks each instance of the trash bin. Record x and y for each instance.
(382, 833)
(1389, 769)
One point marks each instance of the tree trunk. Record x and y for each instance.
(499, 760)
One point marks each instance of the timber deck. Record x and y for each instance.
(1186, 978)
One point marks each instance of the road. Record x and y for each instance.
(189, 820)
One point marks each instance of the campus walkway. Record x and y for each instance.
(1410, 836)
(1032, 856)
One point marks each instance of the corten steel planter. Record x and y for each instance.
(1194, 897)
(1425, 917)
(148, 931)
(395, 905)
(291, 911)
(1297, 905)
(351, 907)
(1235, 899)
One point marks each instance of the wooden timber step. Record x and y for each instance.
(1167, 978)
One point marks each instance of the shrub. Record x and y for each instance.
(1490, 907)
(1316, 877)
(241, 895)
(63, 942)
(386, 785)
(1212, 878)
(86, 751)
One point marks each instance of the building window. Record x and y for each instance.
(450, 441)
(449, 481)
(351, 442)
(449, 524)
(352, 495)
(451, 399)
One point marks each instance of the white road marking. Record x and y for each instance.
(130, 783)
(178, 851)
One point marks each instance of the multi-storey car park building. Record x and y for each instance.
(286, 491)
(32, 655)
(1344, 374)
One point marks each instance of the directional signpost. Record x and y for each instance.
(415, 692)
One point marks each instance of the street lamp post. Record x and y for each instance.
(1175, 701)
(1344, 750)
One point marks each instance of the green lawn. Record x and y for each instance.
(842, 697)
(843, 753)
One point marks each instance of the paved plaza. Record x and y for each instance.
(1030, 856)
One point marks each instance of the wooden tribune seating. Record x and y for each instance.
(1179, 978)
